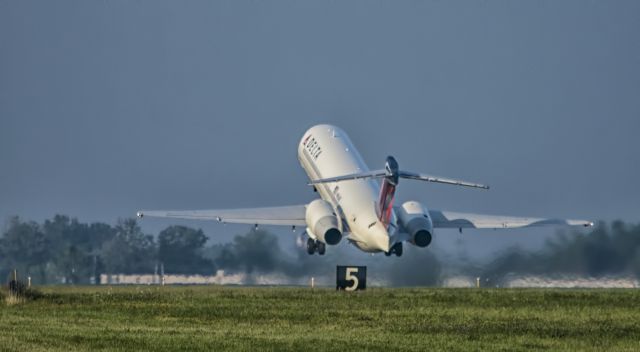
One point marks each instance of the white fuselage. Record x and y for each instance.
(326, 151)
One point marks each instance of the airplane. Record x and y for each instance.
(357, 203)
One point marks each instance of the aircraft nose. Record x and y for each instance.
(381, 238)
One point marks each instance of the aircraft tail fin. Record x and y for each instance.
(385, 201)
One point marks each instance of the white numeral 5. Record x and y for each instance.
(350, 277)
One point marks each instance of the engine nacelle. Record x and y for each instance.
(416, 221)
(322, 222)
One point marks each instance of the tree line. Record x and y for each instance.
(65, 250)
(605, 250)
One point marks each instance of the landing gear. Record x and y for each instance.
(314, 246)
(396, 249)
(311, 246)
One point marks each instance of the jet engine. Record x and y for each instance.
(323, 222)
(416, 222)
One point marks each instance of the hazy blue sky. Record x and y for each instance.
(111, 106)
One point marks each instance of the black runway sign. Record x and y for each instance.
(351, 278)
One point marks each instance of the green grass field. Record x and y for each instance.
(152, 318)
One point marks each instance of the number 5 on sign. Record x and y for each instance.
(351, 278)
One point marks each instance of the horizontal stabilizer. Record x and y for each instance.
(401, 174)
(430, 178)
(368, 174)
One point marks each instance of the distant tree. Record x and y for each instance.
(634, 263)
(604, 250)
(626, 243)
(100, 233)
(130, 251)
(179, 249)
(417, 267)
(24, 247)
(75, 248)
(513, 259)
(257, 251)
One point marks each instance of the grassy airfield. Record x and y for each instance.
(206, 318)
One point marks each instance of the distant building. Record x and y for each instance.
(219, 279)
(517, 281)
(571, 282)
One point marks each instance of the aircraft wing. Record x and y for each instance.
(287, 215)
(449, 219)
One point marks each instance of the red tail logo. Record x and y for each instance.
(385, 202)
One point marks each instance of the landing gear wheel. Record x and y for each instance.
(398, 249)
(311, 246)
(321, 247)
